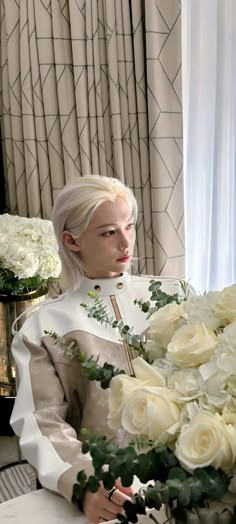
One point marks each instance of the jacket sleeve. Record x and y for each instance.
(47, 441)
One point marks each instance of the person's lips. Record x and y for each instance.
(124, 259)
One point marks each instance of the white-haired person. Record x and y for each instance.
(94, 221)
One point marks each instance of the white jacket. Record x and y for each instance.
(54, 400)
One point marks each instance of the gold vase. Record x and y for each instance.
(11, 307)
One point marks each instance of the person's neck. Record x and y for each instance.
(102, 277)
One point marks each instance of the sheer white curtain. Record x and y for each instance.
(209, 117)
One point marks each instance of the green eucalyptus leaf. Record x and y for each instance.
(155, 285)
(144, 467)
(77, 492)
(196, 488)
(93, 484)
(127, 453)
(99, 458)
(81, 477)
(121, 518)
(125, 329)
(107, 374)
(144, 306)
(184, 495)
(215, 482)
(177, 473)
(153, 497)
(112, 447)
(105, 384)
(162, 461)
(140, 504)
(127, 478)
(130, 511)
(108, 480)
(174, 486)
(85, 447)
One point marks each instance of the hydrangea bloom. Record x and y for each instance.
(28, 247)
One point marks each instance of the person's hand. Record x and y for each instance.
(128, 491)
(98, 507)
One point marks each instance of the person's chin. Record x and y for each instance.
(125, 266)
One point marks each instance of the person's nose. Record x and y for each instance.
(124, 240)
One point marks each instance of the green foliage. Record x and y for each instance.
(97, 310)
(90, 367)
(12, 285)
(156, 466)
(160, 298)
(213, 480)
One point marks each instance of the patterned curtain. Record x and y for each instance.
(95, 87)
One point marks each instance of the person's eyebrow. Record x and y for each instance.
(105, 225)
(113, 225)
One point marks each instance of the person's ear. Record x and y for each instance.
(69, 241)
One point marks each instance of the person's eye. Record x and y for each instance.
(131, 225)
(108, 233)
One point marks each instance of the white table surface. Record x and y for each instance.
(42, 507)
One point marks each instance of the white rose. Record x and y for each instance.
(151, 412)
(164, 322)
(147, 373)
(207, 441)
(191, 345)
(120, 388)
(225, 308)
(191, 408)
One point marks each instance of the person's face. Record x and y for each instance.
(106, 247)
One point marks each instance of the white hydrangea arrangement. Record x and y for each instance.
(28, 254)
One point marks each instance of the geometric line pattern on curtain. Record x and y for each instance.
(163, 45)
(79, 97)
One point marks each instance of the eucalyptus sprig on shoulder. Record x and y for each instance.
(97, 309)
(171, 484)
(90, 366)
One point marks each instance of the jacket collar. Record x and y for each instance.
(105, 286)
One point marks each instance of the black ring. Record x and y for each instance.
(111, 492)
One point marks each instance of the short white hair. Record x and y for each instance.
(73, 209)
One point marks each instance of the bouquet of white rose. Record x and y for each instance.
(28, 254)
(178, 411)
